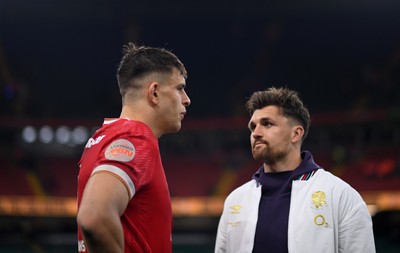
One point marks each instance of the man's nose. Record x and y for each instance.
(256, 132)
(186, 100)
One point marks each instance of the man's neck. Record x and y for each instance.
(288, 163)
(142, 114)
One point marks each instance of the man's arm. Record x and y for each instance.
(355, 228)
(220, 242)
(104, 200)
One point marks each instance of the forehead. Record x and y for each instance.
(170, 79)
(271, 111)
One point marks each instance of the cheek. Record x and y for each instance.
(175, 100)
(284, 138)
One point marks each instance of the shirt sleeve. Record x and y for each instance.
(131, 159)
(355, 224)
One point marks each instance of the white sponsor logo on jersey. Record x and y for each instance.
(81, 246)
(92, 141)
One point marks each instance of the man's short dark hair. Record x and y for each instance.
(287, 100)
(139, 61)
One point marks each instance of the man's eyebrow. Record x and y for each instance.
(263, 119)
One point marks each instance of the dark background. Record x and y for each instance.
(60, 57)
(58, 63)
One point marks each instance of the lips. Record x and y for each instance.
(257, 143)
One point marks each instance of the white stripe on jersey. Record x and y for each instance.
(120, 173)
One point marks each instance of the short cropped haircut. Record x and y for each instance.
(139, 61)
(287, 100)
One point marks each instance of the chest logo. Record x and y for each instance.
(120, 150)
(319, 220)
(319, 199)
(235, 209)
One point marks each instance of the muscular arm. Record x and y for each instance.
(104, 200)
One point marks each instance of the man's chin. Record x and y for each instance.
(258, 157)
(174, 129)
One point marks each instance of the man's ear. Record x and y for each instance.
(152, 93)
(297, 133)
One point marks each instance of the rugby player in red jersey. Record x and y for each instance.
(124, 203)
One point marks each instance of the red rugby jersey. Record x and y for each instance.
(132, 151)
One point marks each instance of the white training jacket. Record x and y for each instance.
(326, 215)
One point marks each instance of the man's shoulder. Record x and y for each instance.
(244, 190)
(126, 125)
(336, 184)
(128, 129)
(327, 177)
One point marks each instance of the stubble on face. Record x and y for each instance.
(273, 145)
(268, 154)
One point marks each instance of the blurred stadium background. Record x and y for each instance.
(57, 82)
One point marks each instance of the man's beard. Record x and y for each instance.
(267, 155)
